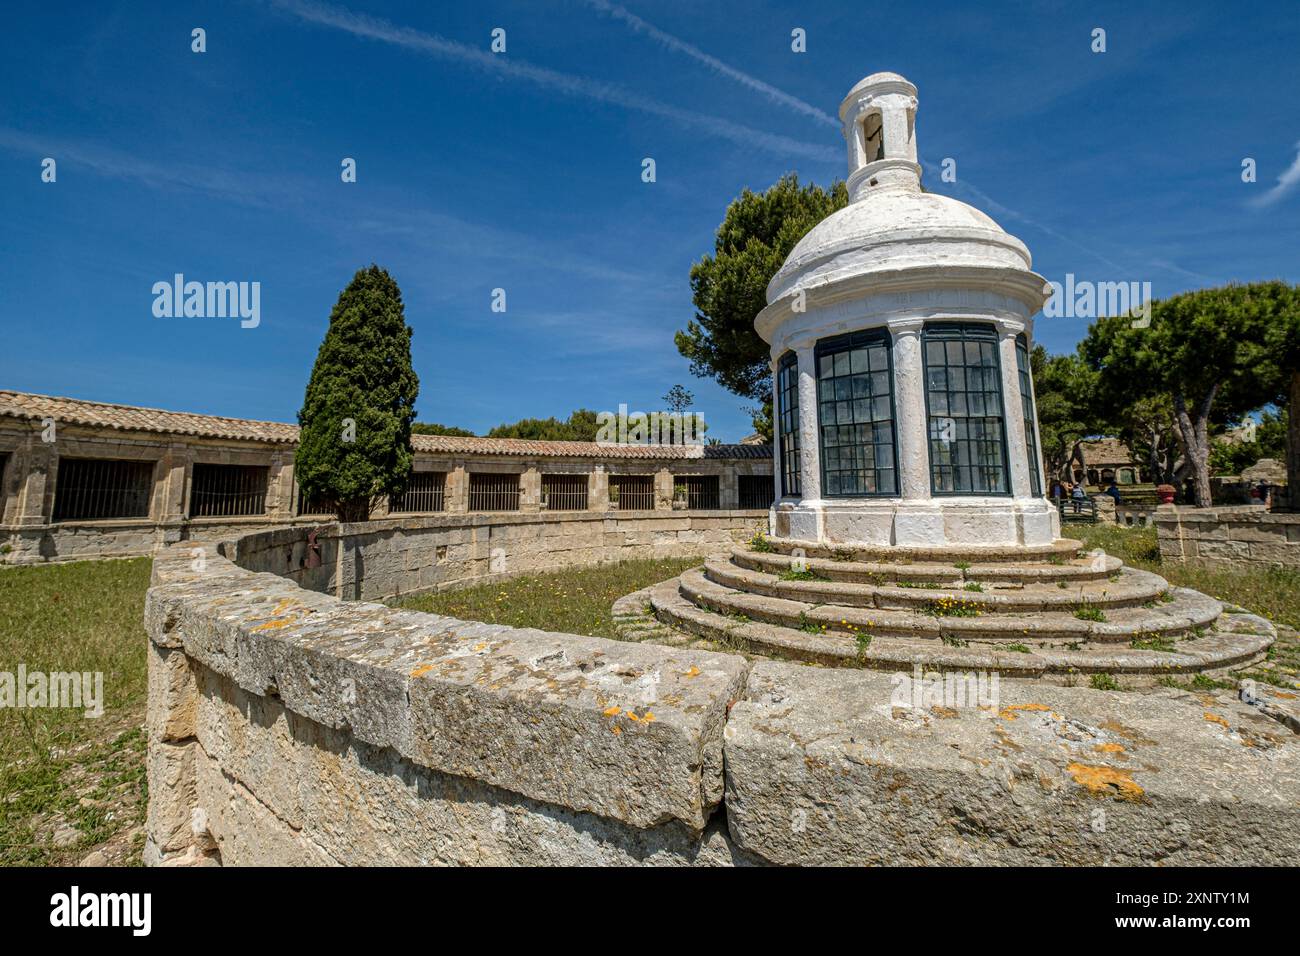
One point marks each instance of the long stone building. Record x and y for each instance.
(85, 479)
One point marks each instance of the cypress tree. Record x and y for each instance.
(355, 440)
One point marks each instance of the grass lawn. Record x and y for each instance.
(573, 601)
(71, 784)
(1273, 593)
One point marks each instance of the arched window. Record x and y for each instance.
(855, 413)
(963, 378)
(1027, 408)
(787, 417)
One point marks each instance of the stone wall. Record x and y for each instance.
(382, 559)
(1232, 535)
(287, 727)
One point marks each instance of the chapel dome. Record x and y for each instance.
(896, 228)
(891, 229)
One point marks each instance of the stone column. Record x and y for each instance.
(663, 490)
(810, 473)
(912, 427)
(456, 492)
(170, 495)
(530, 490)
(35, 498)
(1013, 410)
(598, 489)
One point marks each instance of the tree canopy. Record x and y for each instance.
(729, 288)
(355, 441)
(1217, 353)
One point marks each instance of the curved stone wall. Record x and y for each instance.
(289, 727)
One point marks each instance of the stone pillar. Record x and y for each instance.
(810, 473)
(663, 489)
(1013, 410)
(729, 488)
(530, 490)
(170, 498)
(35, 493)
(912, 425)
(279, 487)
(598, 489)
(456, 492)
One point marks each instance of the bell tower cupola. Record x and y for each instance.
(878, 120)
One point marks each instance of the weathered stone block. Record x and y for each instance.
(822, 766)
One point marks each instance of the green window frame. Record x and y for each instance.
(1023, 368)
(858, 443)
(787, 396)
(965, 410)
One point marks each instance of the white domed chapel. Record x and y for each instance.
(900, 331)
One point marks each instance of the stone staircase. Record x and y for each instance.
(1025, 612)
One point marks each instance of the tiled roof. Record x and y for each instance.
(73, 411)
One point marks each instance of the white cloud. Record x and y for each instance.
(1285, 183)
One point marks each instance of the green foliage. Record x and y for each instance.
(796, 574)
(363, 373)
(678, 399)
(729, 288)
(433, 428)
(1089, 612)
(581, 426)
(1103, 682)
(1232, 457)
(760, 544)
(1218, 353)
(1064, 389)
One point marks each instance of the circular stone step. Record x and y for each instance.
(1155, 625)
(1065, 548)
(1128, 588)
(1244, 641)
(946, 574)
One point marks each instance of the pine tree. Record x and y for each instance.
(355, 440)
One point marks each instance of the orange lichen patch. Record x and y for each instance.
(276, 624)
(1216, 719)
(1284, 695)
(1107, 781)
(649, 717)
(1109, 748)
(611, 711)
(1007, 713)
(422, 670)
(946, 712)
(616, 730)
(693, 672)
(631, 716)
(480, 645)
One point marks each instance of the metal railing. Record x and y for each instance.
(632, 492)
(224, 491)
(425, 491)
(701, 491)
(315, 505)
(756, 491)
(493, 492)
(564, 492)
(96, 489)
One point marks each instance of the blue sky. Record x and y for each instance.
(522, 171)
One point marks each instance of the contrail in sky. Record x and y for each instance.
(431, 44)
